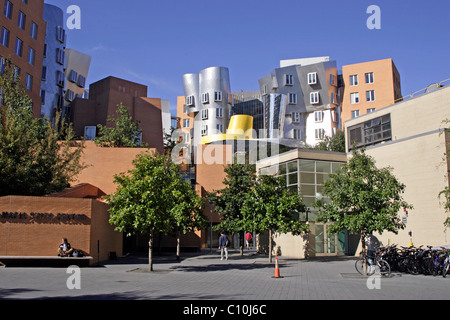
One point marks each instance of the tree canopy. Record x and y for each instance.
(36, 156)
(124, 133)
(362, 198)
(153, 197)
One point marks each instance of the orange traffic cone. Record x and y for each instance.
(277, 269)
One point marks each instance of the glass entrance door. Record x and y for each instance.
(328, 244)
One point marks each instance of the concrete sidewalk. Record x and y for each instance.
(204, 276)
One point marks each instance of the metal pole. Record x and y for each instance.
(210, 229)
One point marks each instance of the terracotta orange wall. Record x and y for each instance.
(384, 86)
(210, 175)
(25, 237)
(103, 237)
(104, 163)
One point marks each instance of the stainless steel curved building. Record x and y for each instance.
(208, 96)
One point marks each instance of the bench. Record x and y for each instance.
(44, 261)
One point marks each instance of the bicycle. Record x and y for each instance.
(441, 264)
(380, 265)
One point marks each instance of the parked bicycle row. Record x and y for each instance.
(416, 260)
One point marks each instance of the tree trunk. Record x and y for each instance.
(150, 251)
(178, 245)
(364, 252)
(270, 245)
(241, 242)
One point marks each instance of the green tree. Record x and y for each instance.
(362, 198)
(187, 210)
(153, 198)
(33, 158)
(270, 206)
(229, 201)
(335, 143)
(124, 133)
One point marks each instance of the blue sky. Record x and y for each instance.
(155, 42)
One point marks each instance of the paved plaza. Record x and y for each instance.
(205, 277)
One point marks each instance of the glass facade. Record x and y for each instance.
(306, 177)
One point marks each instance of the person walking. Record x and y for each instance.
(248, 239)
(223, 246)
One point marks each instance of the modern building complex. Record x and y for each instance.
(104, 97)
(53, 80)
(367, 87)
(22, 41)
(208, 101)
(311, 92)
(296, 105)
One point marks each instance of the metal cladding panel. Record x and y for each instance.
(190, 85)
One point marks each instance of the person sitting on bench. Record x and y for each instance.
(65, 250)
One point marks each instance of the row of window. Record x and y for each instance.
(204, 129)
(297, 117)
(190, 100)
(28, 77)
(21, 18)
(368, 77)
(314, 98)
(354, 96)
(18, 49)
(356, 113)
(205, 113)
(311, 78)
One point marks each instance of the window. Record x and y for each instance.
(205, 98)
(204, 114)
(70, 95)
(60, 34)
(292, 98)
(60, 79)
(297, 134)
(186, 123)
(8, 9)
(190, 100)
(219, 112)
(354, 97)
(81, 82)
(21, 20)
(44, 73)
(42, 96)
(60, 56)
(2, 65)
(34, 30)
(73, 75)
(204, 130)
(318, 116)
(354, 80)
(333, 80)
(19, 47)
(333, 115)
(312, 78)
(289, 80)
(333, 98)
(31, 56)
(219, 128)
(90, 132)
(4, 37)
(314, 97)
(370, 95)
(370, 110)
(264, 89)
(355, 114)
(28, 82)
(296, 117)
(218, 96)
(369, 77)
(319, 134)
(371, 132)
